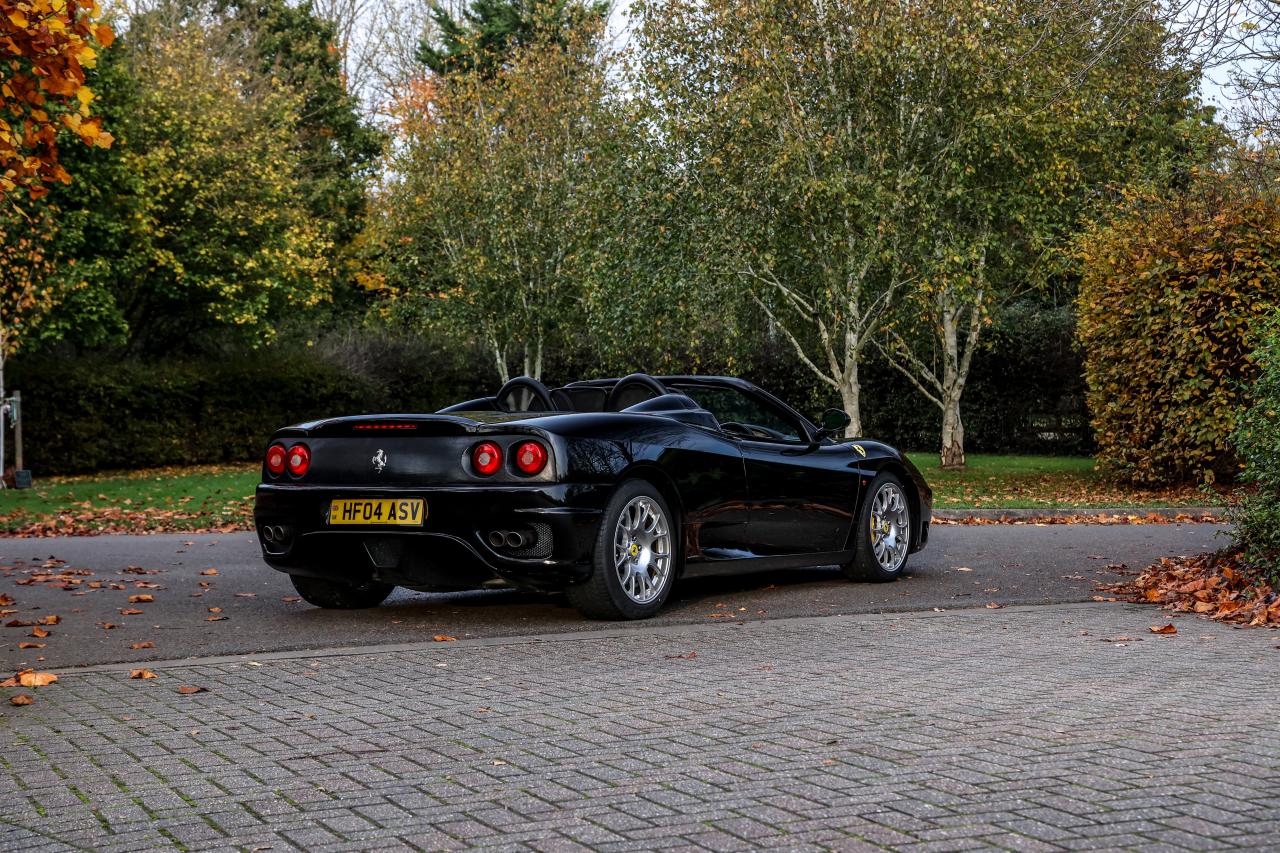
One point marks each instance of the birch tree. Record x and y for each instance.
(487, 217)
(1062, 101)
(807, 134)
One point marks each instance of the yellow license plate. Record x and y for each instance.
(402, 512)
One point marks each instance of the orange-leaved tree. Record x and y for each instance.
(45, 47)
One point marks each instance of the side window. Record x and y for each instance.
(745, 416)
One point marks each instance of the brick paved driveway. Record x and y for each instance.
(1022, 728)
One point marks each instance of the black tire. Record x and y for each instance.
(603, 595)
(335, 595)
(866, 566)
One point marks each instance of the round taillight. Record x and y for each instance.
(486, 458)
(299, 459)
(531, 457)
(275, 459)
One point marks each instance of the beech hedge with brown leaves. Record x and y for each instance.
(1173, 296)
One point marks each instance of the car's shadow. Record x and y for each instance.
(688, 593)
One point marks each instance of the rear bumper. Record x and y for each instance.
(450, 550)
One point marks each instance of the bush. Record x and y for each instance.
(1257, 440)
(1172, 294)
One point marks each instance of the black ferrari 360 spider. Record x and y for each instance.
(608, 489)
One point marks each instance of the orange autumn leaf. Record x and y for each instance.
(21, 699)
(30, 645)
(31, 678)
(142, 598)
(444, 638)
(145, 644)
(1163, 629)
(189, 689)
(141, 673)
(39, 633)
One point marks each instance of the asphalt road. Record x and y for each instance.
(964, 566)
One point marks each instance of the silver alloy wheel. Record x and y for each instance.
(890, 526)
(642, 549)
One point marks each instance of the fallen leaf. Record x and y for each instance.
(5, 599)
(18, 623)
(246, 595)
(31, 678)
(145, 644)
(215, 609)
(130, 611)
(209, 572)
(994, 605)
(685, 656)
(1163, 629)
(444, 638)
(291, 599)
(39, 633)
(1121, 639)
(963, 569)
(141, 598)
(215, 618)
(108, 626)
(21, 699)
(141, 673)
(189, 689)
(49, 620)
(29, 645)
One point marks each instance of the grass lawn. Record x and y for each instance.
(161, 499)
(218, 496)
(1039, 482)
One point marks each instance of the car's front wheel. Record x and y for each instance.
(635, 558)
(883, 535)
(335, 595)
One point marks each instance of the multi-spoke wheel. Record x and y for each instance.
(635, 557)
(884, 531)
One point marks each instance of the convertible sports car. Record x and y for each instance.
(609, 489)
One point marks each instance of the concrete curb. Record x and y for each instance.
(1080, 512)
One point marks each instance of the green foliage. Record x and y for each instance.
(216, 216)
(1257, 441)
(1174, 289)
(336, 150)
(485, 35)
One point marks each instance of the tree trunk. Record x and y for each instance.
(851, 396)
(952, 454)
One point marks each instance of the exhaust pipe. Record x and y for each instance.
(510, 540)
(269, 533)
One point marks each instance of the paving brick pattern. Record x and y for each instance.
(1005, 728)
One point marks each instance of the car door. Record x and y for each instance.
(800, 497)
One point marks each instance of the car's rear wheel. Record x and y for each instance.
(883, 535)
(335, 595)
(635, 558)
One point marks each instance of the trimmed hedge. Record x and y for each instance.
(89, 414)
(1173, 294)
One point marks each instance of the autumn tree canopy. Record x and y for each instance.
(45, 47)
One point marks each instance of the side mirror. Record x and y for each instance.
(833, 422)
